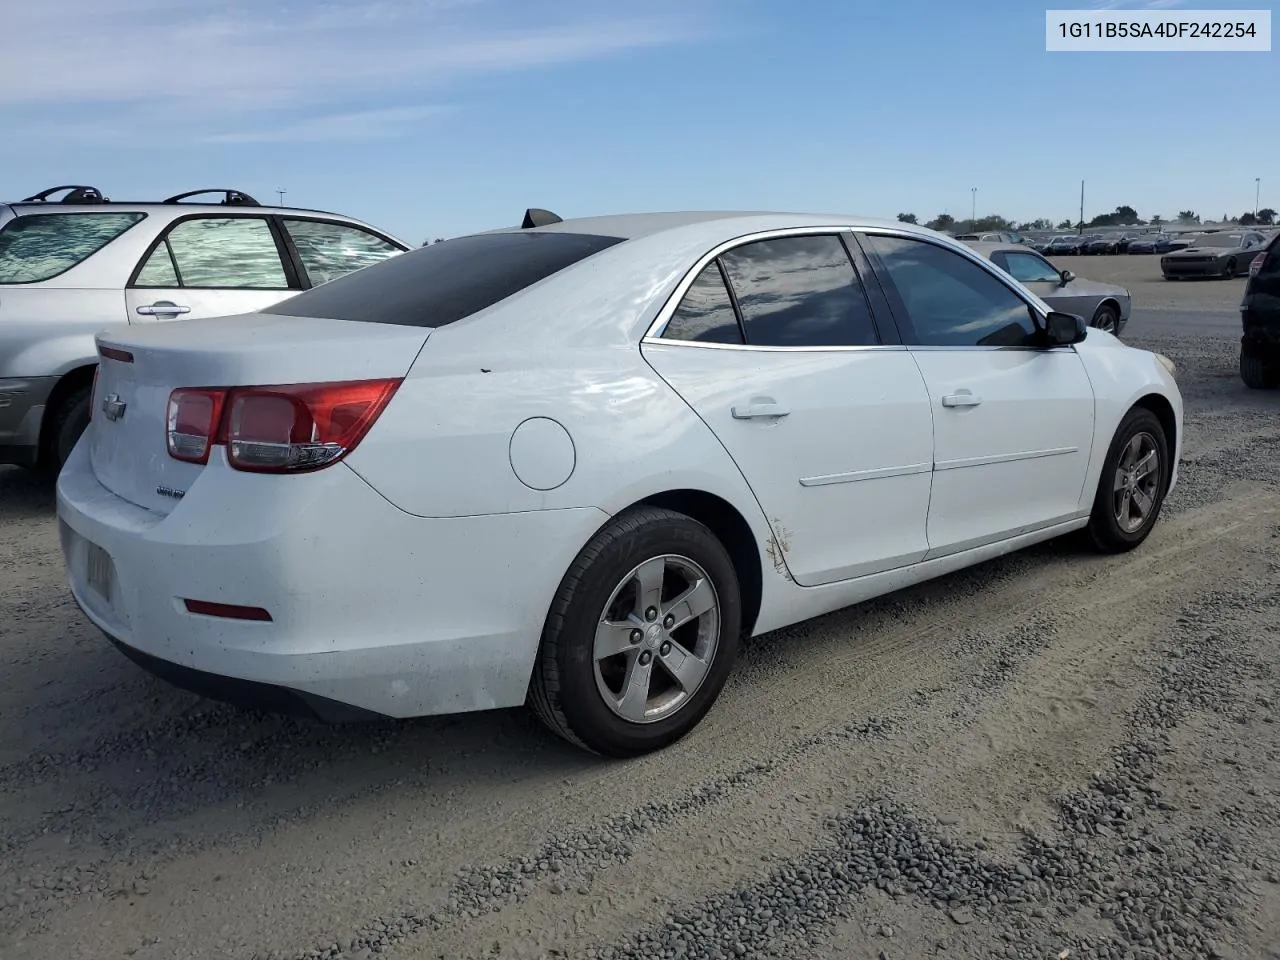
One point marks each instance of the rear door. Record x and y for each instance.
(211, 265)
(1013, 422)
(775, 345)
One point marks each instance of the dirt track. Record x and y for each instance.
(1051, 752)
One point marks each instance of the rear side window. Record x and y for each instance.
(331, 250)
(800, 292)
(43, 245)
(439, 284)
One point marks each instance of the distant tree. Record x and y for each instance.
(438, 240)
(1039, 224)
(1266, 216)
(1246, 219)
(907, 218)
(1120, 216)
(1157, 220)
(943, 221)
(1127, 214)
(1188, 216)
(1065, 225)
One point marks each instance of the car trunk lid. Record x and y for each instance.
(141, 367)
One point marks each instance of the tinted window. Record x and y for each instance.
(43, 245)
(799, 292)
(706, 313)
(332, 250)
(1027, 268)
(436, 285)
(949, 300)
(159, 270)
(231, 253)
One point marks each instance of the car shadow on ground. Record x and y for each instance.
(25, 493)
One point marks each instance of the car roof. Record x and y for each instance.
(710, 223)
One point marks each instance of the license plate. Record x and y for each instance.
(99, 570)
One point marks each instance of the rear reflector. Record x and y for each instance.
(287, 428)
(228, 611)
(115, 353)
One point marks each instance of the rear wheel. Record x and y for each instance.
(641, 635)
(1256, 373)
(1133, 483)
(70, 420)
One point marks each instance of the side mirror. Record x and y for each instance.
(1064, 329)
(1067, 277)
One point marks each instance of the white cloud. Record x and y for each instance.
(246, 71)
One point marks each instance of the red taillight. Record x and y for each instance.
(1255, 265)
(192, 422)
(288, 428)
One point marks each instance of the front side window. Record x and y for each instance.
(950, 301)
(221, 253)
(332, 250)
(799, 292)
(1028, 268)
(706, 313)
(41, 246)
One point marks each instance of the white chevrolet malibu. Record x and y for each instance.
(572, 463)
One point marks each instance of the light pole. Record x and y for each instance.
(280, 192)
(1257, 192)
(973, 210)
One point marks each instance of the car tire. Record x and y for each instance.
(69, 421)
(1113, 526)
(1256, 373)
(1229, 271)
(579, 689)
(1107, 318)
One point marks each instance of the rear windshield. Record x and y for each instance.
(40, 246)
(435, 285)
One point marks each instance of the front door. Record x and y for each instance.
(1013, 422)
(830, 427)
(210, 266)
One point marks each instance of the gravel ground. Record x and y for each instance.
(1053, 755)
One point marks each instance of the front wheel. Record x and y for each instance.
(1131, 489)
(1229, 271)
(641, 635)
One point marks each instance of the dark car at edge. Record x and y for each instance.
(1260, 323)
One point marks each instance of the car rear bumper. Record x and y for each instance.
(370, 608)
(22, 405)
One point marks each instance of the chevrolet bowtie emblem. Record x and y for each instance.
(113, 406)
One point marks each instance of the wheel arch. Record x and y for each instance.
(732, 530)
(73, 380)
(1163, 410)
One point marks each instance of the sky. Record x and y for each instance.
(441, 117)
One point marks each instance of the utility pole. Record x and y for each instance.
(280, 192)
(1081, 206)
(1257, 192)
(973, 211)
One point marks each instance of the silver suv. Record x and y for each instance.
(82, 263)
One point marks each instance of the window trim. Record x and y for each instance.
(291, 276)
(303, 275)
(83, 260)
(899, 307)
(654, 333)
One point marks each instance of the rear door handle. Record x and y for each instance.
(961, 400)
(161, 308)
(759, 408)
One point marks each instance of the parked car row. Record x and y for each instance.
(73, 266)
(1225, 255)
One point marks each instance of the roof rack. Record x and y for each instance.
(536, 217)
(233, 198)
(78, 193)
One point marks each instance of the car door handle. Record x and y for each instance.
(161, 308)
(961, 400)
(759, 408)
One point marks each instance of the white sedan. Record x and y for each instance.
(572, 463)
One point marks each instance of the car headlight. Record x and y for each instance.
(1168, 365)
